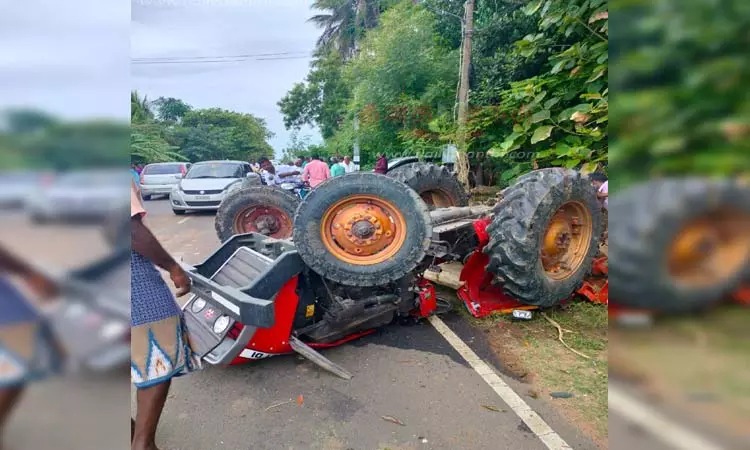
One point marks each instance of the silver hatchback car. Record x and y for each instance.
(160, 178)
(206, 184)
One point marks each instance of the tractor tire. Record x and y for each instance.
(363, 229)
(261, 209)
(534, 269)
(679, 245)
(435, 184)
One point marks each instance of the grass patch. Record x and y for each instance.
(534, 353)
(697, 364)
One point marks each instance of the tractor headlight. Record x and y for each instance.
(198, 305)
(221, 324)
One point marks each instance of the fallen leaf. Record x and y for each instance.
(393, 420)
(533, 393)
(300, 400)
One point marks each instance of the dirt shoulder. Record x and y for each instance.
(531, 352)
(697, 366)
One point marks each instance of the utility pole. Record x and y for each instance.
(462, 157)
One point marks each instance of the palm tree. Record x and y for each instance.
(140, 108)
(344, 23)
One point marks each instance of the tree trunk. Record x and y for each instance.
(462, 158)
(479, 174)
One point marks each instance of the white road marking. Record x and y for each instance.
(183, 220)
(657, 425)
(536, 424)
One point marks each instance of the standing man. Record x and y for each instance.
(316, 172)
(601, 183)
(337, 169)
(349, 166)
(269, 173)
(136, 174)
(159, 343)
(381, 165)
(28, 351)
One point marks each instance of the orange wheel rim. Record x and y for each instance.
(709, 249)
(567, 240)
(363, 230)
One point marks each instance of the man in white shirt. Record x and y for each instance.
(272, 176)
(349, 166)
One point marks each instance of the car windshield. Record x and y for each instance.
(162, 169)
(216, 170)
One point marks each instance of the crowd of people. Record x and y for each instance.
(311, 170)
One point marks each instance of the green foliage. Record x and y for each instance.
(140, 109)
(36, 140)
(560, 115)
(401, 81)
(682, 105)
(539, 92)
(345, 22)
(66, 146)
(171, 109)
(214, 133)
(27, 121)
(177, 132)
(321, 100)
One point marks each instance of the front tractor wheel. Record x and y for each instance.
(362, 230)
(544, 235)
(259, 209)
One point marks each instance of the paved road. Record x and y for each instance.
(409, 373)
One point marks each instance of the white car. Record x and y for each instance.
(160, 178)
(206, 184)
(80, 195)
(16, 187)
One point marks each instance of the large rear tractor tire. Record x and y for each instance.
(435, 184)
(261, 209)
(362, 230)
(679, 245)
(545, 235)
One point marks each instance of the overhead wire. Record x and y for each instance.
(222, 58)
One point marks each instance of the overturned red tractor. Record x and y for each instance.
(270, 210)
(361, 244)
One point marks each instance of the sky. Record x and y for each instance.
(213, 30)
(68, 58)
(73, 58)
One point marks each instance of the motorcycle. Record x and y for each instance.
(299, 189)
